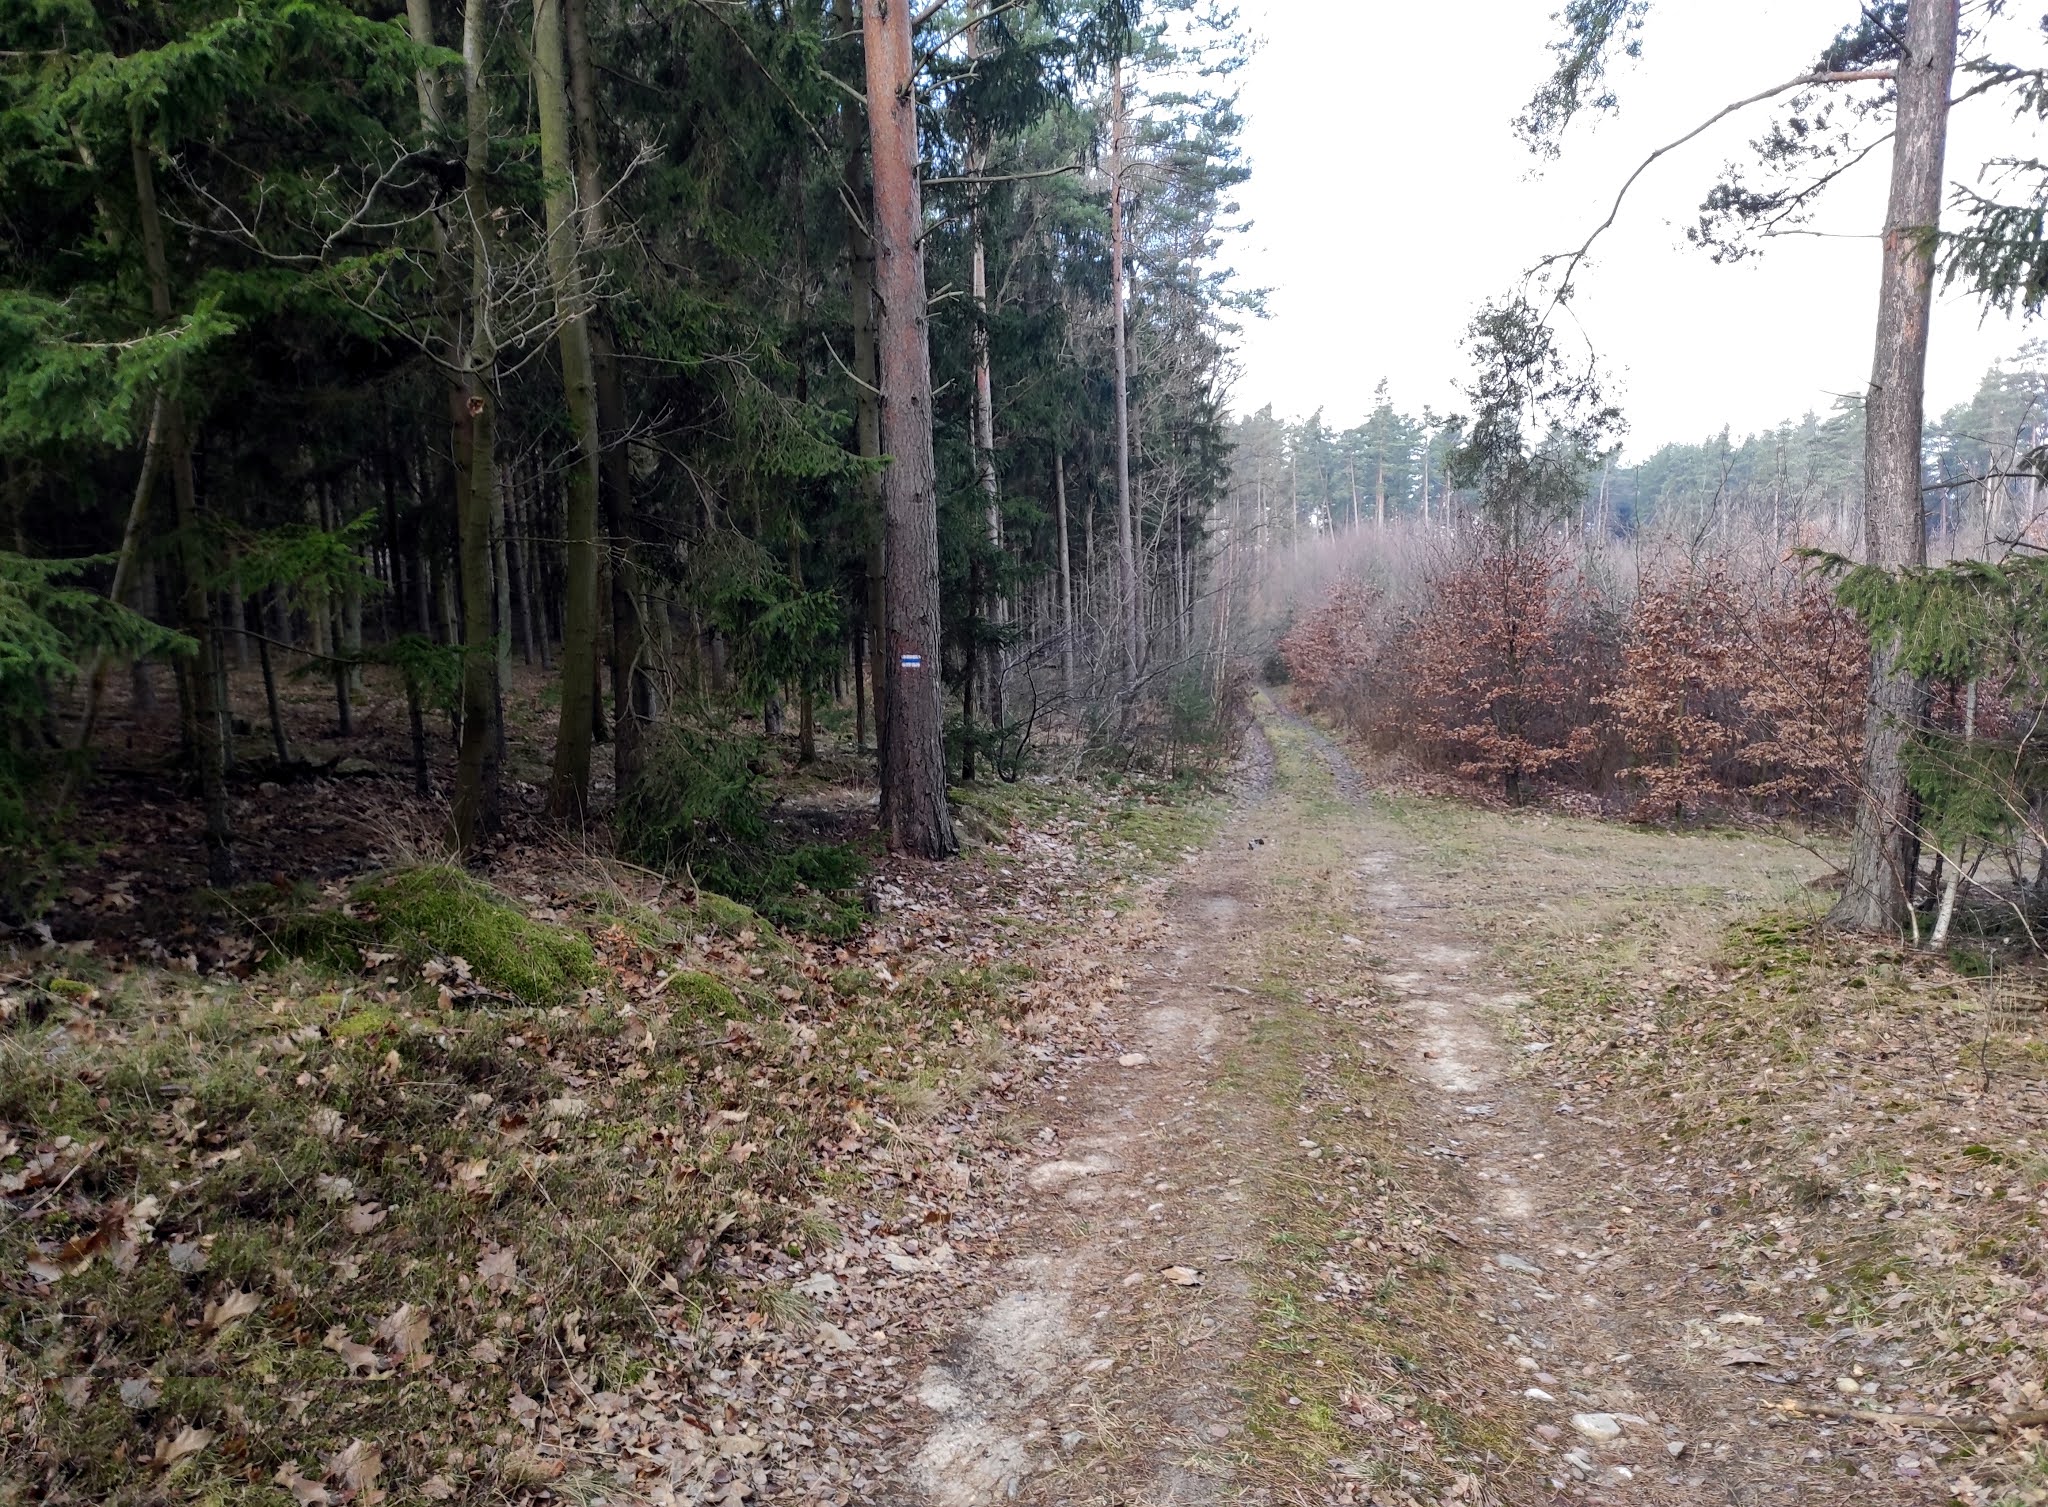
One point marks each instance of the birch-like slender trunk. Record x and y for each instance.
(569, 782)
(1127, 558)
(1883, 851)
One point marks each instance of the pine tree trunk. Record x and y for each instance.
(501, 610)
(125, 572)
(1876, 896)
(278, 742)
(994, 606)
(474, 417)
(1127, 560)
(1059, 497)
(860, 692)
(867, 413)
(919, 821)
(569, 784)
(207, 721)
(633, 699)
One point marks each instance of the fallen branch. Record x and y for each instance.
(1968, 1423)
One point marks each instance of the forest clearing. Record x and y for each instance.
(714, 788)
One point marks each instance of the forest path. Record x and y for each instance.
(1312, 1235)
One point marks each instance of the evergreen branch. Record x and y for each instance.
(959, 31)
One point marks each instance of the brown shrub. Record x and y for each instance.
(1500, 652)
(1506, 665)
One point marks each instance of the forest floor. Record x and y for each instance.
(1314, 1144)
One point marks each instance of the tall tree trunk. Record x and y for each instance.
(501, 610)
(474, 416)
(992, 603)
(208, 720)
(569, 785)
(919, 821)
(1895, 533)
(1059, 498)
(867, 411)
(633, 698)
(1127, 559)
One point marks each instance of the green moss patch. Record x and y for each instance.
(438, 912)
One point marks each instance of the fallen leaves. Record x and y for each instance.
(498, 1268)
(404, 1331)
(172, 1448)
(361, 1360)
(231, 1307)
(1182, 1276)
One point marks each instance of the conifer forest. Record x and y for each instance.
(712, 793)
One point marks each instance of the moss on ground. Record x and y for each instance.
(700, 994)
(439, 912)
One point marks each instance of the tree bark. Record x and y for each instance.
(569, 784)
(919, 821)
(867, 412)
(125, 570)
(473, 417)
(1878, 890)
(208, 714)
(1127, 560)
(633, 698)
(1059, 498)
(992, 602)
(278, 743)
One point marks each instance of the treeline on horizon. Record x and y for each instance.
(1800, 477)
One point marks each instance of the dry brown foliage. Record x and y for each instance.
(1706, 688)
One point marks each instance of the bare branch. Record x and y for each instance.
(980, 178)
(1804, 81)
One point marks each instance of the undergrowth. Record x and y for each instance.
(700, 810)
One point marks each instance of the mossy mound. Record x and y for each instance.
(438, 911)
(701, 994)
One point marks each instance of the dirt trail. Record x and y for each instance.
(1092, 1377)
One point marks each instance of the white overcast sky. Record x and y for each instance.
(1389, 197)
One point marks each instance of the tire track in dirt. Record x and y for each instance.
(1090, 1378)
(1600, 1329)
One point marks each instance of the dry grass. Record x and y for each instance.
(1854, 1127)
